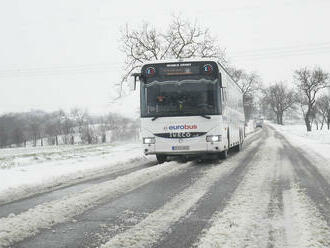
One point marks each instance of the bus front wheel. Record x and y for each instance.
(161, 158)
(238, 147)
(223, 154)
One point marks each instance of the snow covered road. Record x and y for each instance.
(271, 194)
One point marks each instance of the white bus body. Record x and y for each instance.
(175, 123)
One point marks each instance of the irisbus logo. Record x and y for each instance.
(181, 127)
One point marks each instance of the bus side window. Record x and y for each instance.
(221, 95)
(224, 95)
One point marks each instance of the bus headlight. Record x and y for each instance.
(150, 140)
(213, 138)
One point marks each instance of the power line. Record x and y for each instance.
(287, 52)
(285, 48)
(59, 70)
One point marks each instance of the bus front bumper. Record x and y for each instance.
(186, 149)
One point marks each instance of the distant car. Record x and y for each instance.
(259, 123)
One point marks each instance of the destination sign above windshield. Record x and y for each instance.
(178, 69)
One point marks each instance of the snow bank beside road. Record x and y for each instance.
(319, 136)
(61, 168)
(250, 127)
(317, 141)
(314, 145)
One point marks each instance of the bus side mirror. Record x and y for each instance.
(132, 83)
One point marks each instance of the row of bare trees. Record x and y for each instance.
(59, 127)
(279, 99)
(309, 94)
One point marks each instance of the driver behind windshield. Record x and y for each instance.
(178, 99)
(193, 102)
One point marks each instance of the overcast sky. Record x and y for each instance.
(64, 53)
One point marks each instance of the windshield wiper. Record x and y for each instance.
(205, 116)
(201, 115)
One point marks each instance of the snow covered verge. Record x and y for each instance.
(250, 127)
(25, 172)
(314, 145)
(317, 141)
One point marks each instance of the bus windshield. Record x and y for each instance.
(180, 98)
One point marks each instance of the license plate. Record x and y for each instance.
(180, 148)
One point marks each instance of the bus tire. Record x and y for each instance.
(223, 154)
(238, 147)
(161, 158)
(228, 138)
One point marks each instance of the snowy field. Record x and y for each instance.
(18, 157)
(26, 171)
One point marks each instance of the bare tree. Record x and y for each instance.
(18, 136)
(280, 99)
(17, 128)
(322, 105)
(310, 83)
(85, 125)
(88, 134)
(80, 117)
(249, 84)
(67, 125)
(183, 39)
(3, 132)
(51, 131)
(236, 74)
(36, 127)
(58, 117)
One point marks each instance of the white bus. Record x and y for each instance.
(189, 109)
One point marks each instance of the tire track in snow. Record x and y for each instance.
(111, 173)
(26, 224)
(150, 230)
(309, 178)
(275, 212)
(184, 233)
(305, 225)
(97, 225)
(306, 208)
(244, 221)
(269, 209)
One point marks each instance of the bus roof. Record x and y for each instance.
(179, 60)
